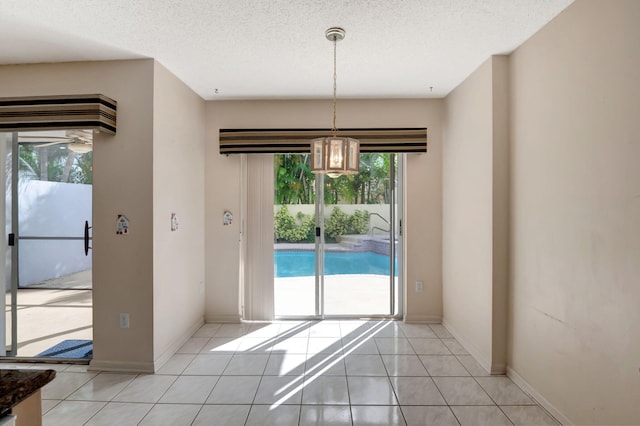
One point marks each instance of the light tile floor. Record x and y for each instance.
(298, 373)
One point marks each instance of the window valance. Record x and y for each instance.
(272, 141)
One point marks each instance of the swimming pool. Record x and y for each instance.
(302, 263)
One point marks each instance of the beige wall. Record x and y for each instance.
(178, 187)
(467, 213)
(501, 212)
(423, 216)
(122, 176)
(575, 270)
(152, 274)
(475, 216)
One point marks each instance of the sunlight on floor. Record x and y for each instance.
(46, 317)
(325, 353)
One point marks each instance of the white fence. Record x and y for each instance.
(50, 210)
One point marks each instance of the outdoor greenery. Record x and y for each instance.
(55, 164)
(294, 182)
(341, 223)
(294, 230)
(302, 228)
(293, 179)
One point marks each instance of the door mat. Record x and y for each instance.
(70, 349)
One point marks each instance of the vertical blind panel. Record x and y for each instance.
(92, 112)
(275, 141)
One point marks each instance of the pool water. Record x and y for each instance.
(302, 263)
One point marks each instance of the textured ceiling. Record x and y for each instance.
(276, 49)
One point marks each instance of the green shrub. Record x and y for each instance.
(336, 225)
(307, 227)
(302, 227)
(293, 230)
(359, 222)
(282, 223)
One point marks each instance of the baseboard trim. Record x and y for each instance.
(498, 369)
(234, 318)
(542, 401)
(471, 348)
(173, 348)
(121, 366)
(422, 319)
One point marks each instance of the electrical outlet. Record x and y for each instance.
(419, 286)
(124, 320)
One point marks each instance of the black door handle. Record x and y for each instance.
(86, 237)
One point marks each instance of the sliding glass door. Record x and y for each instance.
(296, 289)
(336, 239)
(47, 262)
(359, 256)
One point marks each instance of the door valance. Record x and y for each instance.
(94, 112)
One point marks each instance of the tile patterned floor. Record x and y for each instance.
(299, 373)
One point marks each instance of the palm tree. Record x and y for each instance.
(294, 180)
(54, 164)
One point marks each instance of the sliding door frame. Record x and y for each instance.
(395, 187)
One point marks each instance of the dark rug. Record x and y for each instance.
(77, 349)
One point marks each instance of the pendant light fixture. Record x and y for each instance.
(335, 155)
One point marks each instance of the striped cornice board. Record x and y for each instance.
(92, 112)
(272, 141)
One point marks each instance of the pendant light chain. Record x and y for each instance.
(335, 155)
(334, 129)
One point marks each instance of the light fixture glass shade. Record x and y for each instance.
(80, 148)
(335, 156)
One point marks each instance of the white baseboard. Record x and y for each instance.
(470, 347)
(234, 318)
(542, 401)
(121, 366)
(422, 319)
(182, 339)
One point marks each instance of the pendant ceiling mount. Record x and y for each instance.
(335, 34)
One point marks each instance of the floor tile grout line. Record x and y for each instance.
(194, 417)
(96, 413)
(487, 393)
(436, 385)
(346, 379)
(492, 399)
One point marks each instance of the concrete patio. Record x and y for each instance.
(46, 317)
(352, 294)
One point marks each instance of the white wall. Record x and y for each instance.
(575, 270)
(52, 209)
(423, 191)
